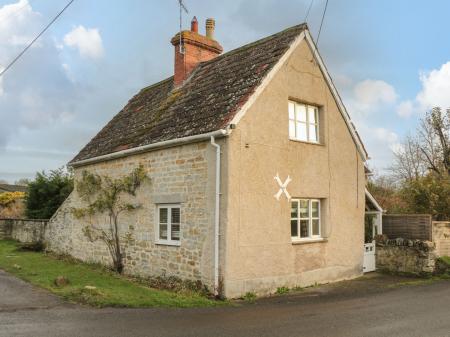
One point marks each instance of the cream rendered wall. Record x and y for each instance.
(259, 254)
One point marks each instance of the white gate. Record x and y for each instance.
(369, 257)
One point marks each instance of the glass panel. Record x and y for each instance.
(315, 227)
(304, 209)
(291, 110)
(294, 228)
(175, 232)
(312, 133)
(291, 129)
(301, 112)
(304, 228)
(312, 114)
(175, 215)
(163, 231)
(315, 209)
(163, 215)
(175, 224)
(301, 131)
(294, 209)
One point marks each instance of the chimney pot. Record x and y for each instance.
(194, 25)
(210, 27)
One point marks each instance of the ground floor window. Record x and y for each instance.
(305, 219)
(169, 224)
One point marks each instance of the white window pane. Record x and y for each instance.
(175, 232)
(315, 227)
(301, 132)
(163, 231)
(304, 209)
(313, 133)
(291, 129)
(294, 209)
(294, 228)
(301, 112)
(291, 110)
(175, 215)
(304, 228)
(315, 209)
(163, 215)
(312, 114)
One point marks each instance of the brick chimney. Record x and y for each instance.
(195, 48)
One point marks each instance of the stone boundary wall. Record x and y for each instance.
(23, 230)
(441, 237)
(405, 256)
(408, 226)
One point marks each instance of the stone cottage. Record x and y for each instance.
(257, 172)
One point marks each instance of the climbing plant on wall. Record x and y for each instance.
(105, 196)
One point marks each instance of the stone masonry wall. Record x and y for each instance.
(441, 237)
(22, 230)
(178, 175)
(406, 256)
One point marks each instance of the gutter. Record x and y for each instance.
(151, 147)
(216, 218)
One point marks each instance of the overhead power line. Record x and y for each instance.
(321, 23)
(35, 39)
(309, 10)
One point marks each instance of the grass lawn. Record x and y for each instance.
(110, 289)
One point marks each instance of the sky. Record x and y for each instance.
(390, 61)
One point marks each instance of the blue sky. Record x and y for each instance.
(389, 59)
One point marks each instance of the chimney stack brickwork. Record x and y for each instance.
(196, 48)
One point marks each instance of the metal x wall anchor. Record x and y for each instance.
(283, 187)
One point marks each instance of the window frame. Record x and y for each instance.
(169, 241)
(311, 236)
(306, 122)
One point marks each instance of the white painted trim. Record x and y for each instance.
(151, 147)
(337, 98)
(373, 201)
(216, 218)
(168, 241)
(265, 82)
(310, 219)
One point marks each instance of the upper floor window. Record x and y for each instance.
(303, 122)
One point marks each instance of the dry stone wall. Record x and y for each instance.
(23, 230)
(405, 256)
(179, 175)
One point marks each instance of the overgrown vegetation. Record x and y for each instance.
(47, 192)
(93, 284)
(11, 204)
(104, 195)
(420, 175)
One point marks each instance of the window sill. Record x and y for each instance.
(168, 243)
(306, 241)
(305, 142)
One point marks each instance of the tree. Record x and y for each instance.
(422, 167)
(103, 195)
(47, 192)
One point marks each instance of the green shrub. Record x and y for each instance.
(46, 193)
(282, 290)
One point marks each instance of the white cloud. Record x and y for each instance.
(385, 135)
(405, 109)
(375, 92)
(87, 41)
(1, 81)
(370, 95)
(31, 97)
(435, 88)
